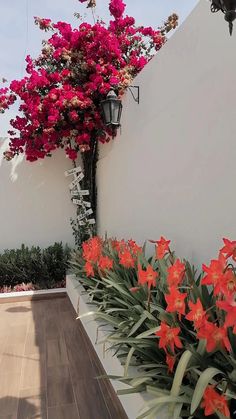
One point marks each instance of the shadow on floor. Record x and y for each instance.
(48, 367)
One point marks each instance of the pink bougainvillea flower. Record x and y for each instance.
(61, 93)
(117, 8)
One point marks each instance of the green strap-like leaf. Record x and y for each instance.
(180, 371)
(130, 354)
(148, 333)
(203, 381)
(153, 404)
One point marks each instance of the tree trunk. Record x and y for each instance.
(89, 159)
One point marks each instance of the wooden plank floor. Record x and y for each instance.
(48, 367)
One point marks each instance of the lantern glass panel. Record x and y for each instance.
(115, 105)
(107, 113)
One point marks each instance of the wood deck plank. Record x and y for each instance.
(48, 366)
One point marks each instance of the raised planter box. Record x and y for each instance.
(132, 403)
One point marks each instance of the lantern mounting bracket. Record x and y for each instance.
(136, 98)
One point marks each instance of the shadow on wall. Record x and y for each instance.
(35, 201)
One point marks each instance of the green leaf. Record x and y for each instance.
(177, 411)
(201, 347)
(130, 354)
(131, 390)
(148, 333)
(179, 373)
(162, 400)
(155, 391)
(137, 325)
(203, 381)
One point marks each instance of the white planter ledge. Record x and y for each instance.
(31, 295)
(132, 403)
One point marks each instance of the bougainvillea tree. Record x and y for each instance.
(61, 94)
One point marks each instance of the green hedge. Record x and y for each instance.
(44, 267)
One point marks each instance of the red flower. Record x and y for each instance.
(175, 301)
(215, 336)
(197, 314)
(162, 247)
(228, 284)
(105, 263)
(135, 249)
(170, 360)
(215, 273)
(147, 277)
(126, 259)
(92, 249)
(230, 307)
(229, 249)
(214, 402)
(169, 337)
(176, 273)
(134, 289)
(88, 267)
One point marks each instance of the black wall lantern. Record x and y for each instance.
(112, 107)
(111, 110)
(228, 7)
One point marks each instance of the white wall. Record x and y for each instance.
(35, 206)
(173, 169)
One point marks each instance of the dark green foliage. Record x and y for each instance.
(43, 267)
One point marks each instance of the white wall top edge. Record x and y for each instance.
(30, 293)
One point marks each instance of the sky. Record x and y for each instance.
(19, 35)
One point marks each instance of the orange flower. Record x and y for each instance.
(197, 314)
(229, 249)
(134, 247)
(228, 283)
(230, 307)
(214, 402)
(149, 276)
(134, 289)
(170, 360)
(175, 301)
(126, 259)
(88, 267)
(92, 249)
(119, 245)
(169, 337)
(162, 247)
(215, 336)
(215, 273)
(175, 273)
(105, 263)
